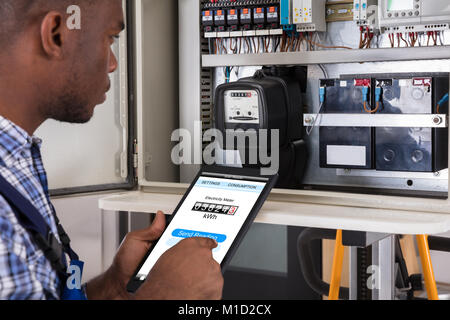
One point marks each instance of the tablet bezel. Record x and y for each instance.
(249, 174)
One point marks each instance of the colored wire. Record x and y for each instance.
(365, 104)
(403, 39)
(392, 39)
(327, 47)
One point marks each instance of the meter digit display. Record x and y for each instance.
(242, 106)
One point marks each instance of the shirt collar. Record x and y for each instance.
(15, 143)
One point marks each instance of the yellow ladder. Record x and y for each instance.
(425, 258)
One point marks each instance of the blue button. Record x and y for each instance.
(181, 233)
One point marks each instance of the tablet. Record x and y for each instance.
(220, 204)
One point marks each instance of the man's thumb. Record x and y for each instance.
(154, 231)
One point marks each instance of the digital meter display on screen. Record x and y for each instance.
(400, 5)
(215, 208)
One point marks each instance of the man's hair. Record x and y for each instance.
(15, 15)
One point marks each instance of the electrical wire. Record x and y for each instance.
(391, 39)
(247, 42)
(369, 110)
(403, 39)
(266, 44)
(233, 49)
(283, 42)
(324, 70)
(440, 37)
(360, 38)
(277, 44)
(299, 43)
(327, 47)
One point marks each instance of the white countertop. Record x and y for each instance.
(345, 217)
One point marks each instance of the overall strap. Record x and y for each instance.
(65, 240)
(30, 218)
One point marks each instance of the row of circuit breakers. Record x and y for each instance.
(385, 149)
(272, 17)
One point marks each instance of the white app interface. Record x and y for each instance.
(215, 208)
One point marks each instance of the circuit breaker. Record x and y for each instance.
(232, 16)
(233, 19)
(208, 20)
(365, 13)
(309, 15)
(245, 18)
(220, 20)
(361, 9)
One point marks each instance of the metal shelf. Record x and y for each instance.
(328, 57)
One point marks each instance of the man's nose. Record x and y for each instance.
(113, 62)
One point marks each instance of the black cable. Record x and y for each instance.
(439, 243)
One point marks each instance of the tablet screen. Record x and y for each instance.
(215, 208)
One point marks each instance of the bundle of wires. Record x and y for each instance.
(365, 38)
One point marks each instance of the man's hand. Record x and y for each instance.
(185, 272)
(133, 249)
(112, 284)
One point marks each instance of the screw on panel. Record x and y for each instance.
(437, 120)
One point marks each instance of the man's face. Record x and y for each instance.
(89, 62)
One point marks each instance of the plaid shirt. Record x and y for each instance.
(25, 273)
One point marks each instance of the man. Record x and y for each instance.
(48, 71)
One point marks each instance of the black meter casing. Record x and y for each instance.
(277, 105)
(265, 102)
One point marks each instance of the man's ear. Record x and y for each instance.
(53, 34)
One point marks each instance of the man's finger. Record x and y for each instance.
(154, 231)
(207, 242)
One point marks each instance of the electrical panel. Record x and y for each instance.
(270, 26)
(414, 15)
(309, 15)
